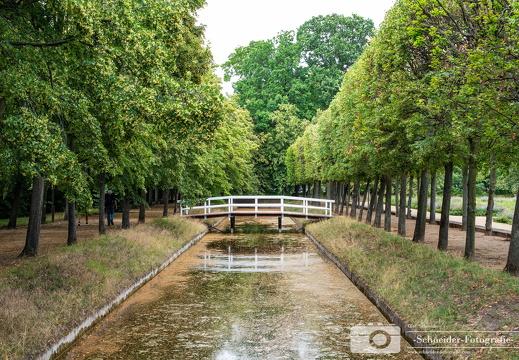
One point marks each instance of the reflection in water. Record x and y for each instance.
(243, 296)
(255, 263)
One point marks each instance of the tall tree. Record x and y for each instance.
(329, 46)
(303, 69)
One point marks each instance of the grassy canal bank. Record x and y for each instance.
(43, 298)
(435, 293)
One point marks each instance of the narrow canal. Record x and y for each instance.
(254, 294)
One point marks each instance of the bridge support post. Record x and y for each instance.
(233, 223)
(280, 223)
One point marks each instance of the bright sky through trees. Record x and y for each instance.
(233, 23)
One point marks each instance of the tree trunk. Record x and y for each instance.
(347, 198)
(355, 199)
(102, 229)
(380, 202)
(372, 202)
(464, 205)
(470, 242)
(72, 234)
(343, 200)
(443, 238)
(401, 218)
(432, 204)
(397, 207)
(317, 189)
(44, 204)
(53, 207)
(15, 206)
(142, 207)
(361, 211)
(491, 192)
(165, 201)
(65, 215)
(125, 224)
(421, 217)
(338, 202)
(418, 180)
(512, 262)
(156, 193)
(410, 198)
(387, 213)
(175, 200)
(33, 229)
(3, 105)
(343, 196)
(338, 192)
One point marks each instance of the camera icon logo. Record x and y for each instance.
(374, 339)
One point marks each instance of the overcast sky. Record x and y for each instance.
(233, 23)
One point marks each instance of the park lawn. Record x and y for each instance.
(24, 220)
(43, 298)
(430, 290)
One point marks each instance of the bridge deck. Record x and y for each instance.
(260, 205)
(251, 212)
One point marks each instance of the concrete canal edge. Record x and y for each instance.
(426, 351)
(94, 318)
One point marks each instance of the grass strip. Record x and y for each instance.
(43, 298)
(436, 293)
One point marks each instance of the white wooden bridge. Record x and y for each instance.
(261, 206)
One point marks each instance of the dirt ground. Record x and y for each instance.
(54, 234)
(491, 251)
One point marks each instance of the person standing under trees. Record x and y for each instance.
(110, 206)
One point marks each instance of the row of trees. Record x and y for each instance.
(436, 88)
(118, 92)
(284, 81)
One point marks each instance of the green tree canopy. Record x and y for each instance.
(303, 69)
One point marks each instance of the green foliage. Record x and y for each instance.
(436, 87)
(300, 70)
(270, 163)
(115, 88)
(329, 46)
(303, 68)
(502, 220)
(416, 94)
(267, 70)
(304, 165)
(223, 165)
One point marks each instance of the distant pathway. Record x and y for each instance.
(480, 221)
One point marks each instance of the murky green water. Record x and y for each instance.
(256, 294)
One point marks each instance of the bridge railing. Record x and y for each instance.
(289, 205)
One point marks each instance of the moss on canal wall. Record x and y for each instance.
(430, 290)
(42, 299)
